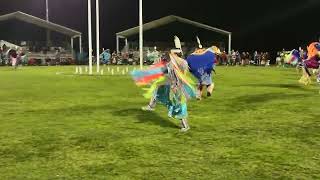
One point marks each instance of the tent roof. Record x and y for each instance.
(40, 22)
(167, 20)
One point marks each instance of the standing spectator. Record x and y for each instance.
(149, 57)
(20, 54)
(218, 60)
(124, 58)
(156, 55)
(255, 57)
(119, 58)
(1, 56)
(131, 57)
(4, 48)
(243, 58)
(233, 58)
(278, 59)
(268, 59)
(259, 58)
(136, 57)
(114, 57)
(267, 56)
(13, 58)
(105, 56)
(283, 56)
(81, 58)
(238, 58)
(224, 58)
(248, 58)
(263, 59)
(58, 57)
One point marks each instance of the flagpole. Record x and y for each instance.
(90, 37)
(141, 32)
(98, 35)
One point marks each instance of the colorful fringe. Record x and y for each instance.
(147, 76)
(181, 71)
(170, 83)
(292, 58)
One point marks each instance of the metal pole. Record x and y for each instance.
(126, 42)
(141, 32)
(90, 36)
(72, 46)
(98, 35)
(118, 50)
(47, 11)
(80, 44)
(229, 44)
(47, 19)
(80, 51)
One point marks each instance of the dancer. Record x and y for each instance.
(202, 64)
(153, 100)
(170, 85)
(163, 60)
(312, 62)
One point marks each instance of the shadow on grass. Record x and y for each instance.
(82, 110)
(145, 117)
(73, 110)
(93, 75)
(253, 101)
(281, 86)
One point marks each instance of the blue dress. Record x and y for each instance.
(201, 66)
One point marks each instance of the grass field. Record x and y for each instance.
(259, 124)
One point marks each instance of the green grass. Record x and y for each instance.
(259, 124)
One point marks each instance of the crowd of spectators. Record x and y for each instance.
(55, 57)
(131, 57)
(235, 58)
(244, 58)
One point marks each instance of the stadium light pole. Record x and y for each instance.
(229, 44)
(98, 35)
(90, 37)
(141, 32)
(47, 10)
(47, 19)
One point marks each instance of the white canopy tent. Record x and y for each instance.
(167, 20)
(44, 24)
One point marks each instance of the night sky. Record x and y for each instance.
(265, 25)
